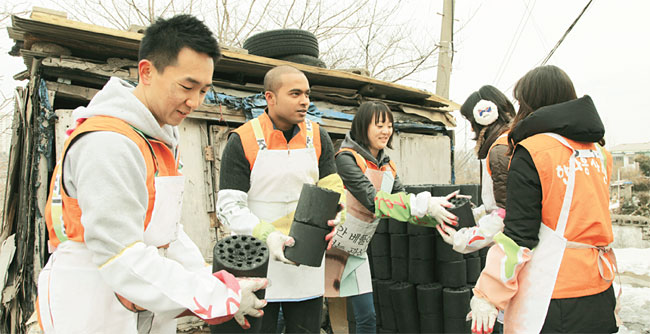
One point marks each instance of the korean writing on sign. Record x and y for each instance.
(354, 236)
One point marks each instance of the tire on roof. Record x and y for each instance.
(305, 59)
(282, 42)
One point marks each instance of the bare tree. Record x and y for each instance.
(6, 105)
(371, 34)
(6, 100)
(7, 9)
(467, 167)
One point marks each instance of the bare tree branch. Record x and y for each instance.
(248, 16)
(284, 25)
(416, 67)
(372, 34)
(257, 23)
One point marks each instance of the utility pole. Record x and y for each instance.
(444, 55)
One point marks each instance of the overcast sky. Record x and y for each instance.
(607, 54)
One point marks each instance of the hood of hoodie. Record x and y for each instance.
(382, 159)
(116, 99)
(576, 119)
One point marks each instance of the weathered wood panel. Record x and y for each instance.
(218, 140)
(195, 218)
(421, 158)
(62, 124)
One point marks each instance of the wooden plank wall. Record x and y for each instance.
(195, 218)
(421, 159)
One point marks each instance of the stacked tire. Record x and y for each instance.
(295, 45)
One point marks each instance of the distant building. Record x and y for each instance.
(623, 154)
(621, 189)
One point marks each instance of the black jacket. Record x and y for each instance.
(577, 120)
(354, 179)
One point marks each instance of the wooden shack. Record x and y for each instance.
(68, 62)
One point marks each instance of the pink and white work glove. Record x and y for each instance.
(478, 212)
(471, 239)
(437, 206)
(277, 241)
(483, 315)
(249, 304)
(333, 223)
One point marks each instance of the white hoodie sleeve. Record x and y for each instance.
(184, 251)
(106, 172)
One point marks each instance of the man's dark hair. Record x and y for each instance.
(370, 111)
(165, 38)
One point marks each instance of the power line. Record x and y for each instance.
(550, 54)
(540, 35)
(565, 34)
(513, 43)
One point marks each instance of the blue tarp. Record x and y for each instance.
(418, 126)
(254, 105)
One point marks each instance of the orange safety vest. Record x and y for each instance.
(589, 219)
(364, 164)
(65, 224)
(274, 139)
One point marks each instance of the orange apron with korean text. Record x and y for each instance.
(573, 236)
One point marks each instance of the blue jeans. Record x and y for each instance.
(364, 313)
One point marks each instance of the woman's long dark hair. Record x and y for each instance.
(540, 87)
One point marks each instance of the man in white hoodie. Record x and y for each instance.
(121, 262)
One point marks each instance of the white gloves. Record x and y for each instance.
(479, 212)
(249, 304)
(447, 233)
(471, 239)
(483, 315)
(436, 209)
(276, 241)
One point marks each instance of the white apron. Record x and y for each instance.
(73, 298)
(487, 188)
(277, 178)
(347, 268)
(526, 311)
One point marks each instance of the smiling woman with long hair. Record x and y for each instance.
(370, 178)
